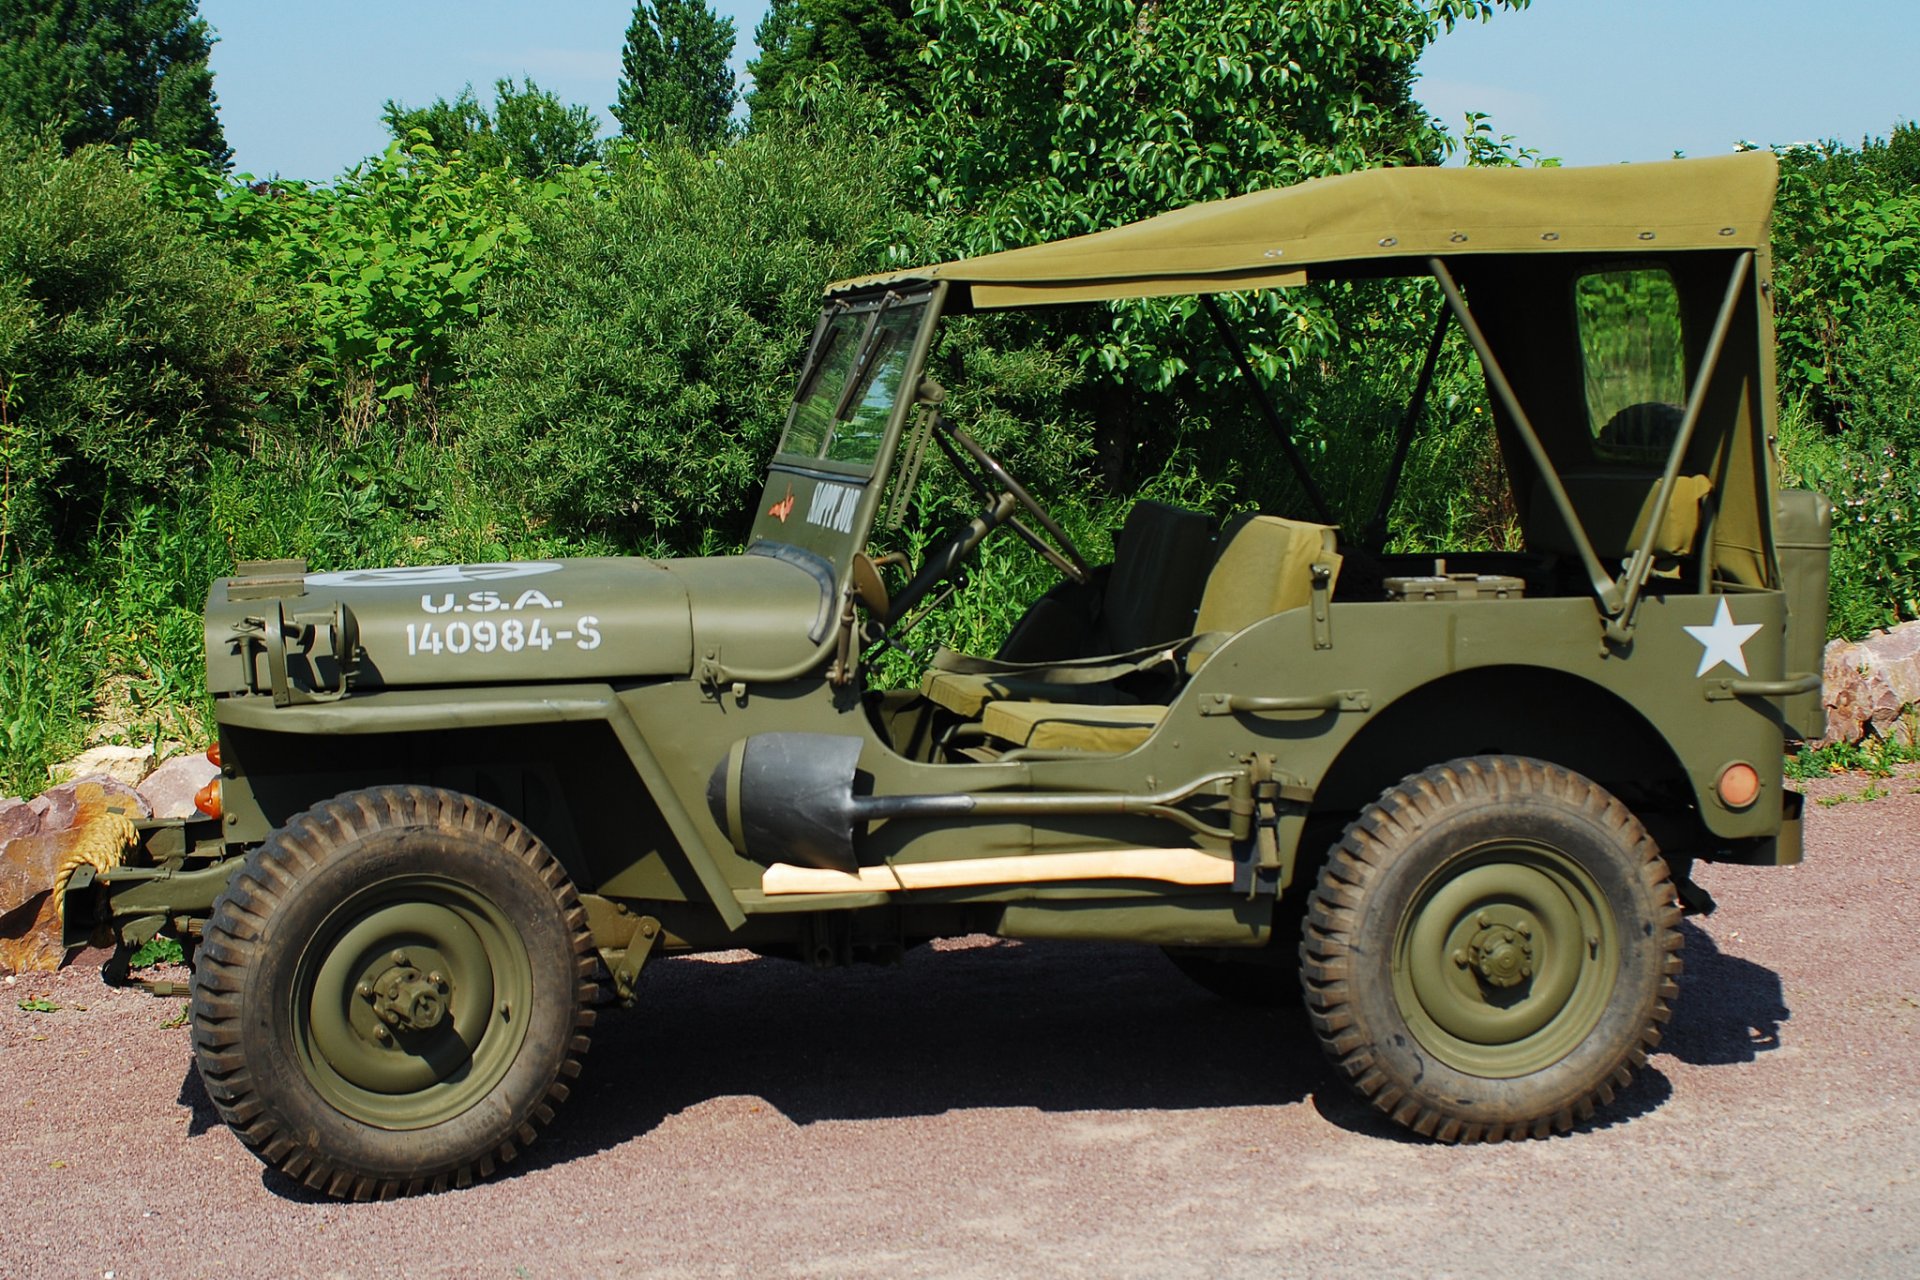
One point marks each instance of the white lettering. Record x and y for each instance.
(833, 506)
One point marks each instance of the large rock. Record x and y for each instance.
(56, 804)
(17, 818)
(169, 790)
(1873, 686)
(122, 764)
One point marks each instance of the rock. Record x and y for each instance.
(122, 764)
(53, 809)
(169, 790)
(56, 805)
(35, 869)
(1873, 686)
(17, 818)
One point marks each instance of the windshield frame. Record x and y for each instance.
(860, 326)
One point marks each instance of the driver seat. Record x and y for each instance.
(1151, 592)
(1267, 565)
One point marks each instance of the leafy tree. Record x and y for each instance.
(102, 70)
(530, 131)
(1054, 120)
(674, 79)
(875, 44)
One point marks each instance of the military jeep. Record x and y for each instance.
(1448, 798)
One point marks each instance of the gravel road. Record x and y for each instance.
(989, 1109)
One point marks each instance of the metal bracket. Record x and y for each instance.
(1322, 606)
(273, 631)
(627, 973)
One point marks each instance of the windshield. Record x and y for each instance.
(852, 382)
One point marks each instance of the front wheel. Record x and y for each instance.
(1491, 950)
(393, 993)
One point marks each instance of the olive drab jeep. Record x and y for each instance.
(1450, 798)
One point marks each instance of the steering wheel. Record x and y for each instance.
(988, 477)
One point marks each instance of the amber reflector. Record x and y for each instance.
(208, 799)
(1739, 785)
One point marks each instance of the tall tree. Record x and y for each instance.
(105, 70)
(529, 130)
(674, 79)
(875, 44)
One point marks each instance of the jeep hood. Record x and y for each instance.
(520, 623)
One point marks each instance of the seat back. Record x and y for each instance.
(1265, 566)
(1159, 564)
(1615, 507)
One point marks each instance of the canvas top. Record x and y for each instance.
(1377, 221)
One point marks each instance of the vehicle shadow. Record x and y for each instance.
(1055, 1027)
(1730, 1010)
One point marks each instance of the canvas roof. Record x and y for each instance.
(1271, 238)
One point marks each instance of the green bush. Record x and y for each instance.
(629, 377)
(129, 348)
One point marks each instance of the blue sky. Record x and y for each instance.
(301, 82)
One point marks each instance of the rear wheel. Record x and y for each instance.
(393, 993)
(1491, 950)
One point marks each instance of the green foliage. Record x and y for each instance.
(1070, 117)
(156, 950)
(529, 132)
(1847, 282)
(380, 272)
(630, 377)
(108, 70)
(37, 1004)
(1876, 756)
(128, 348)
(874, 45)
(674, 80)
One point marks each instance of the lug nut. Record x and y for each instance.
(1460, 958)
(382, 1034)
(398, 957)
(365, 990)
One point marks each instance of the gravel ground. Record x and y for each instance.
(990, 1109)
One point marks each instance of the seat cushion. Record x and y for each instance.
(966, 693)
(1059, 726)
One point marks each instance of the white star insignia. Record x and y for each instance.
(1723, 641)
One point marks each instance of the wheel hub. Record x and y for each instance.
(406, 999)
(1501, 954)
(1501, 964)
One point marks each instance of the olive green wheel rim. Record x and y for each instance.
(1505, 959)
(411, 1002)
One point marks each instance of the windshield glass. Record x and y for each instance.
(854, 372)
